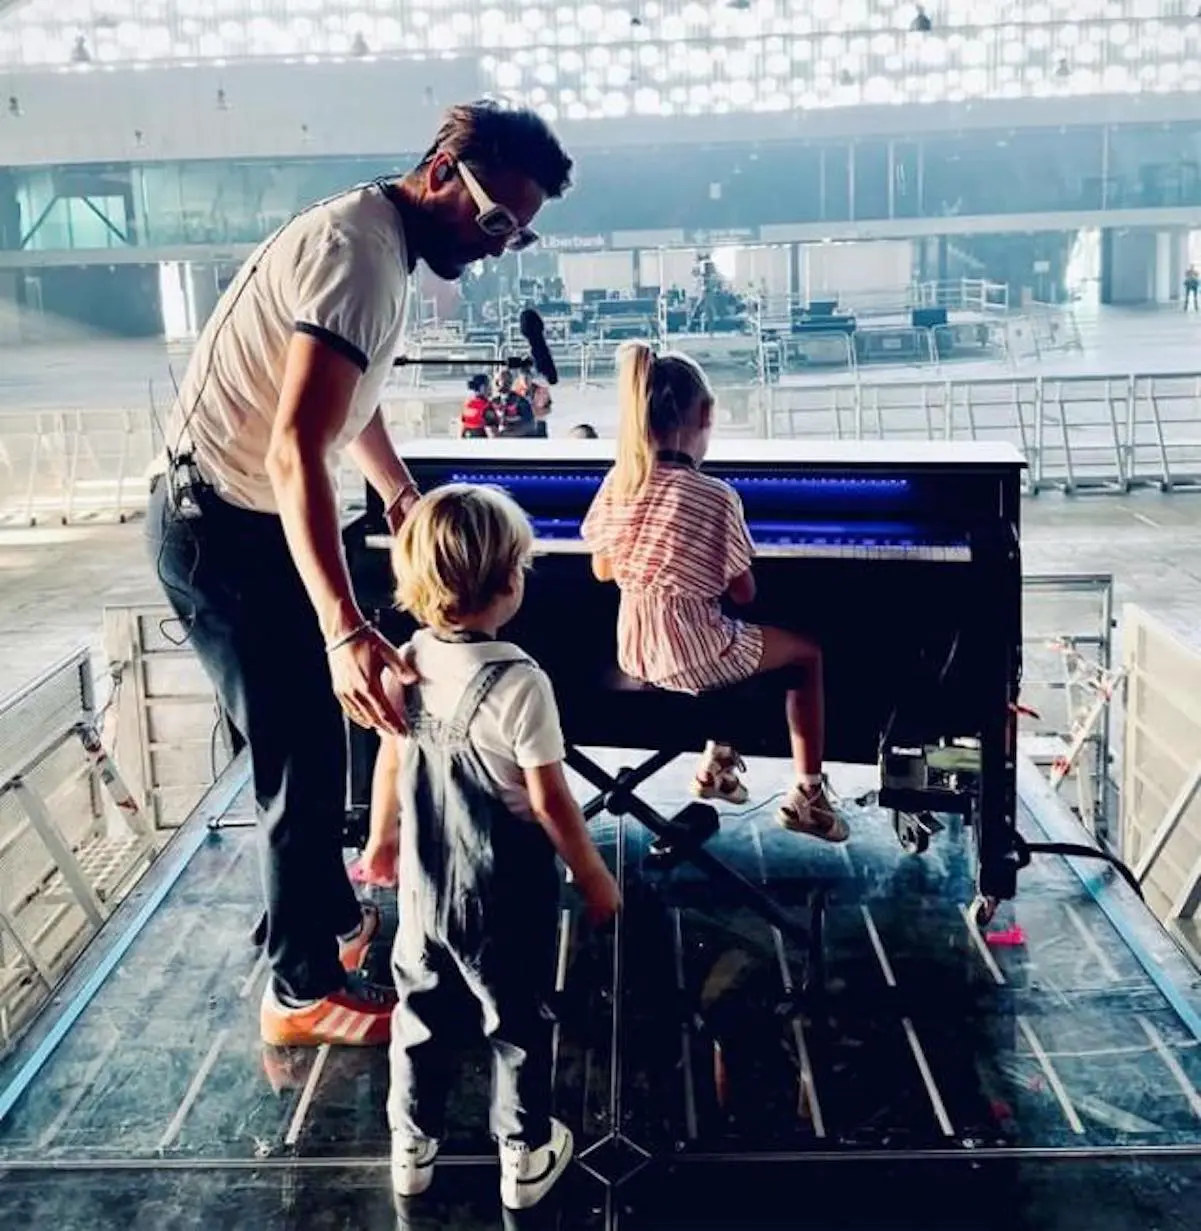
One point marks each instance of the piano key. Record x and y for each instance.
(947, 553)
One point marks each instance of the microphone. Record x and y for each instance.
(534, 332)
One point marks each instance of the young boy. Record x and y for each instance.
(484, 806)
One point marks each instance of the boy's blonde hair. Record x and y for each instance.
(457, 552)
(658, 395)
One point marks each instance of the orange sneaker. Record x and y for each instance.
(359, 1015)
(353, 953)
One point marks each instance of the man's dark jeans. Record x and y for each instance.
(230, 578)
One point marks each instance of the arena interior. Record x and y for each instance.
(884, 231)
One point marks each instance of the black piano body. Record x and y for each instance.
(902, 560)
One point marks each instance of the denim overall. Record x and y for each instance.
(478, 900)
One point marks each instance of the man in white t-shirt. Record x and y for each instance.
(243, 527)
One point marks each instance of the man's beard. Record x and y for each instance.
(443, 261)
(443, 265)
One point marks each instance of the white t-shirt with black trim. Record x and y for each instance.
(337, 271)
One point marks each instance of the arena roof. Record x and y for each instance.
(585, 59)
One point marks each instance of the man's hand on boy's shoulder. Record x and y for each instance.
(369, 676)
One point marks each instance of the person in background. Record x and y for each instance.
(541, 401)
(583, 431)
(484, 807)
(514, 408)
(243, 525)
(1192, 281)
(676, 542)
(478, 418)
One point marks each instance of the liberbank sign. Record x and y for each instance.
(574, 243)
(624, 240)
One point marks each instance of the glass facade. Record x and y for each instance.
(582, 59)
(719, 187)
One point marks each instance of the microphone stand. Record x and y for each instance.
(515, 363)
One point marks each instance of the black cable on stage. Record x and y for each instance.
(1074, 850)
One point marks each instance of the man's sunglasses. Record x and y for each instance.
(496, 221)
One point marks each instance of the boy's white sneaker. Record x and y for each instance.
(412, 1166)
(526, 1175)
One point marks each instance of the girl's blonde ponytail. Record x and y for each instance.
(635, 444)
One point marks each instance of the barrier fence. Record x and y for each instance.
(1108, 433)
(1078, 434)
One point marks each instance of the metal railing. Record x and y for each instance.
(168, 732)
(1107, 433)
(1078, 434)
(73, 840)
(1161, 772)
(66, 466)
(1068, 642)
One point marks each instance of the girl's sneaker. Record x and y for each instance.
(808, 810)
(717, 775)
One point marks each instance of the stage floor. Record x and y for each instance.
(943, 1080)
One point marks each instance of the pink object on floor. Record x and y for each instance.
(1010, 938)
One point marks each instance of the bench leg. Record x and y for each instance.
(619, 797)
(613, 790)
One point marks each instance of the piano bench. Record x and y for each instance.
(682, 722)
(683, 838)
(616, 680)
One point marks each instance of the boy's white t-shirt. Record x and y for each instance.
(337, 271)
(516, 727)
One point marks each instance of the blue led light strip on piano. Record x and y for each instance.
(810, 485)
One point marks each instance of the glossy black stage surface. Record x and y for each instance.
(941, 1081)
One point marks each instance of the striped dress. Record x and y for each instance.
(674, 550)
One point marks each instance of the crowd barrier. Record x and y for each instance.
(68, 466)
(1078, 434)
(1109, 433)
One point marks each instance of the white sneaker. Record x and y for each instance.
(526, 1175)
(412, 1166)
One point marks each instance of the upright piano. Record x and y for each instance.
(902, 559)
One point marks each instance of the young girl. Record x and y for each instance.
(675, 541)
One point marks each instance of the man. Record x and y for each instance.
(243, 525)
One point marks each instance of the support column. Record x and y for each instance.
(1129, 265)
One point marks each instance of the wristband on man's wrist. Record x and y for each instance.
(353, 635)
(405, 489)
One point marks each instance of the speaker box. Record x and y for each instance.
(929, 318)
